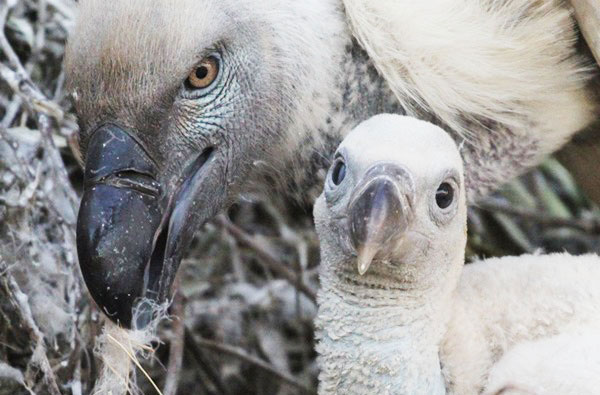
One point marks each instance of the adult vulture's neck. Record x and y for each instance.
(355, 94)
(493, 153)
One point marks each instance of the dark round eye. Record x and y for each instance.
(444, 195)
(204, 74)
(339, 172)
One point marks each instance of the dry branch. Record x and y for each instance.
(271, 261)
(588, 225)
(244, 356)
(176, 346)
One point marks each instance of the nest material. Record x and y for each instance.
(242, 319)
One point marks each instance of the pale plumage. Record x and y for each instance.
(566, 364)
(511, 62)
(417, 321)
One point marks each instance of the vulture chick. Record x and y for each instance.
(398, 312)
(185, 104)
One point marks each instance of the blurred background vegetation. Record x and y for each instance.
(242, 319)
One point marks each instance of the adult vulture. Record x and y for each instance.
(184, 104)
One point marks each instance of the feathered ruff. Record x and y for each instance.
(508, 61)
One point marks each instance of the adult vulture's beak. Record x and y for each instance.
(380, 210)
(132, 230)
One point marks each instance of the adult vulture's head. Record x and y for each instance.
(177, 102)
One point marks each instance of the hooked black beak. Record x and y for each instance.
(380, 210)
(132, 230)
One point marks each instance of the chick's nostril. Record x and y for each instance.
(133, 180)
(113, 151)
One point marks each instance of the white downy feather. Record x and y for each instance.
(509, 61)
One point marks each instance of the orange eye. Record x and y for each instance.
(204, 74)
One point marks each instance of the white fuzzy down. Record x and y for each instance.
(511, 310)
(421, 322)
(514, 324)
(566, 364)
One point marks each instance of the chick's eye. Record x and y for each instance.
(204, 74)
(339, 172)
(444, 195)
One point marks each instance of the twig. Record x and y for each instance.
(39, 105)
(20, 83)
(56, 160)
(40, 34)
(587, 225)
(18, 79)
(39, 357)
(43, 108)
(176, 348)
(271, 261)
(12, 110)
(4, 44)
(244, 356)
(192, 346)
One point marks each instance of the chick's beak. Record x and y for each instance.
(133, 229)
(379, 211)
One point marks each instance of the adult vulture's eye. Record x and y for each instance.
(444, 195)
(339, 172)
(204, 74)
